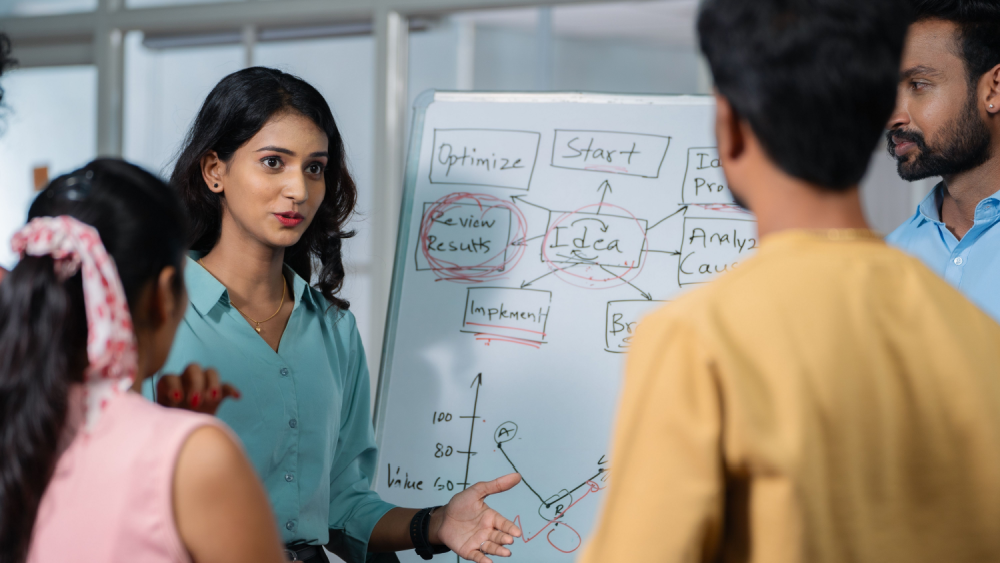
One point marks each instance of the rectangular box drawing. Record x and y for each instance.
(484, 157)
(712, 246)
(704, 181)
(507, 311)
(465, 236)
(621, 320)
(589, 238)
(632, 154)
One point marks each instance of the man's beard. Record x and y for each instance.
(966, 148)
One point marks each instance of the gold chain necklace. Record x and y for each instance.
(850, 234)
(284, 289)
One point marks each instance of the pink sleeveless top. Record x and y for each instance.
(111, 497)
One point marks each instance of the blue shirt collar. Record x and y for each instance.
(205, 292)
(930, 208)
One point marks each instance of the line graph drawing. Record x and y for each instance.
(553, 508)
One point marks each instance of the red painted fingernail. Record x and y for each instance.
(215, 393)
(195, 400)
(176, 395)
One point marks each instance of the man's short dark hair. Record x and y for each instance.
(815, 79)
(979, 30)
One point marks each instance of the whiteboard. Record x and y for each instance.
(535, 231)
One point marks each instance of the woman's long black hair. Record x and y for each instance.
(43, 324)
(236, 109)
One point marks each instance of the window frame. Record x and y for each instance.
(97, 38)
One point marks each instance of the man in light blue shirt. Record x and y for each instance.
(947, 123)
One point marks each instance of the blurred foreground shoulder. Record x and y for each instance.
(221, 508)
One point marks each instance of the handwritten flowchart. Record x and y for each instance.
(537, 235)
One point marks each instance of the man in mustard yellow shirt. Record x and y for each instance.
(832, 399)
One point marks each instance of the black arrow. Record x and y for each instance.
(527, 283)
(681, 210)
(524, 241)
(604, 226)
(517, 199)
(670, 252)
(530, 488)
(606, 186)
(596, 475)
(478, 382)
(644, 294)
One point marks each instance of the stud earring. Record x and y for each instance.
(991, 107)
(217, 185)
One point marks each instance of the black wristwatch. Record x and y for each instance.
(419, 528)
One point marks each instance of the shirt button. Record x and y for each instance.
(284, 372)
(293, 423)
(290, 525)
(958, 262)
(289, 477)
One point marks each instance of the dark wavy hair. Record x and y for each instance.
(236, 109)
(43, 323)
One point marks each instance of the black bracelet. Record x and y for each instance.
(419, 528)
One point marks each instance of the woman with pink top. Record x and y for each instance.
(89, 469)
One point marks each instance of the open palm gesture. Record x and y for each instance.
(472, 529)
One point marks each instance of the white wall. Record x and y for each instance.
(49, 119)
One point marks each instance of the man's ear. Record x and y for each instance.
(213, 170)
(993, 94)
(728, 130)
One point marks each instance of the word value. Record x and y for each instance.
(404, 483)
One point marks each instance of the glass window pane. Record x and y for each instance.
(628, 47)
(150, 3)
(49, 121)
(45, 7)
(164, 89)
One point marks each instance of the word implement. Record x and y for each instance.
(507, 311)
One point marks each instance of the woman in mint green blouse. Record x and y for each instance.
(265, 181)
